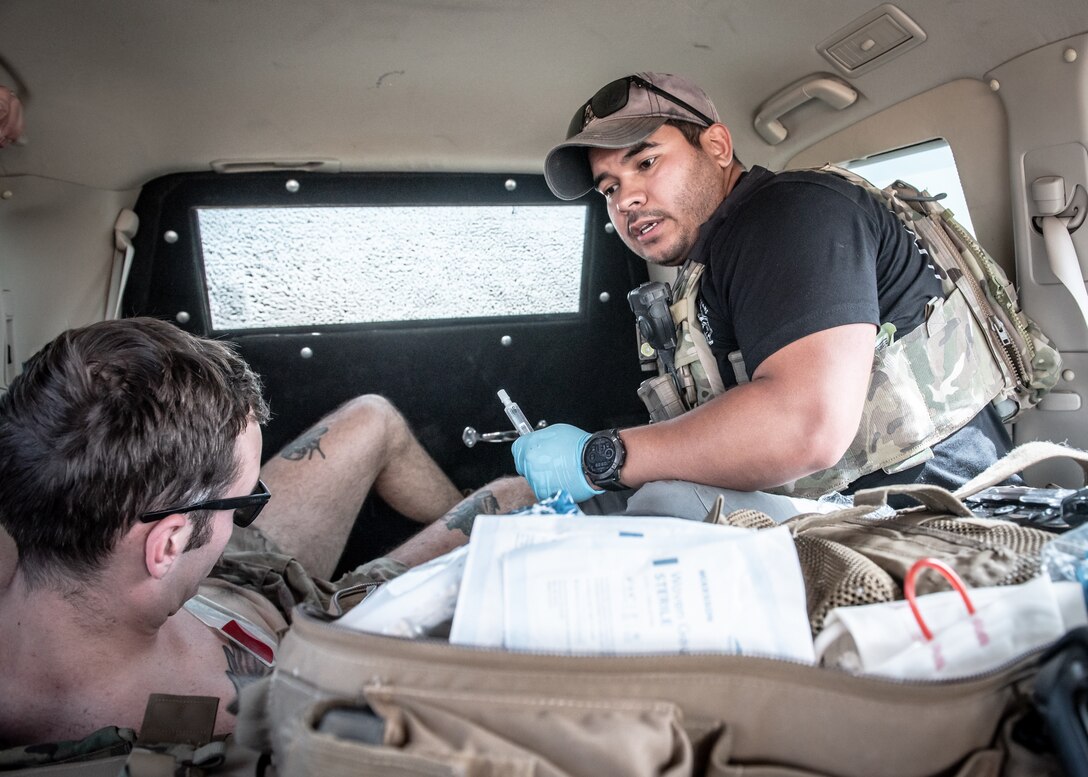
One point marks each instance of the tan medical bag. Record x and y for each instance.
(342, 702)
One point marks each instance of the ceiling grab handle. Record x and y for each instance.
(826, 88)
(1048, 192)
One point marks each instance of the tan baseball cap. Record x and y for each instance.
(621, 114)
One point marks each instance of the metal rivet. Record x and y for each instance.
(182, 317)
(170, 236)
(507, 341)
(8, 194)
(1069, 375)
(510, 184)
(994, 84)
(609, 228)
(1069, 55)
(292, 186)
(605, 296)
(306, 352)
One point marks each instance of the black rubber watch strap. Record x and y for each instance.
(603, 458)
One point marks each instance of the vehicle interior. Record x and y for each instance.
(353, 191)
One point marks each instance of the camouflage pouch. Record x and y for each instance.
(280, 579)
(1025, 358)
(922, 389)
(116, 752)
(696, 368)
(107, 742)
(255, 563)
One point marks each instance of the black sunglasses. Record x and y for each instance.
(246, 508)
(613, 97)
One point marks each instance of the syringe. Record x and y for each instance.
(513, 412)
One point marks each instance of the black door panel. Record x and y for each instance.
(578, 368)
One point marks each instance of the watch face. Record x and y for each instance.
(600, 455)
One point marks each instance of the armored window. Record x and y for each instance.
(302, 266)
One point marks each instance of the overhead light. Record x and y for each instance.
(871, 40)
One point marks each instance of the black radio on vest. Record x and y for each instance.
(650, 304)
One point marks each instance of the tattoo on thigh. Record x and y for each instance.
(462, 515)
(306, 446)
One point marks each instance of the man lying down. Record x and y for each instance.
(130, 480)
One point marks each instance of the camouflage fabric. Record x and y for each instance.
(254, 562)
(696, 367)
(112, 742)
(922, 389)
(976, 347)
(104, 743)
(1029, 363)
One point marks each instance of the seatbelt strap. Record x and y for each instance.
(1063, 260)
(124, 229)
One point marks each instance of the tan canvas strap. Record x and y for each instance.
(1017, 460)
(935, 498)
(939, 500)
(873, 502)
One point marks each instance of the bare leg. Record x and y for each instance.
(319, 481)
(497, 497)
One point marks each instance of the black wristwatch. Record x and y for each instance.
(602, 458)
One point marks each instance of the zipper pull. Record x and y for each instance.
(1000, 331)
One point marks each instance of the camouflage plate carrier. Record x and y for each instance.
(974, 347)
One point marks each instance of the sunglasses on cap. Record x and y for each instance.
(246, 508)
(613, 97)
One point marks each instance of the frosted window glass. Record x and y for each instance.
(928, 166)
(281, 267)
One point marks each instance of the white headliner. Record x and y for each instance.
(122, 91)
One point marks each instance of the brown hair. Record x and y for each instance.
(110, 421)
(692, 132)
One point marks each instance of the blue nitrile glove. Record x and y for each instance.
(551, 459)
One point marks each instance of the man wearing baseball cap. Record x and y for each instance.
(790, 278)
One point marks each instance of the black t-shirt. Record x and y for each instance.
(794, 253)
